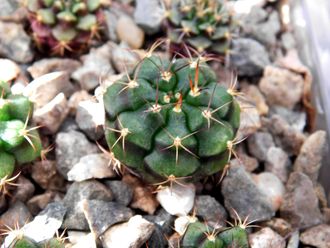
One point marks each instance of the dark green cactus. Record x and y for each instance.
(171, 120)
(65, 26)
(19, 143)
(207, 25)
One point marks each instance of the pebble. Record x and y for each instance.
(38, 202)
(131, 234)
(252, 92)
(48, 65)
(43, 89)
(288, 41)
(12, 11)
(129, 32)
(110, 18)
(210, 210)
(95, 64)
(296, 119)
(17, 215)
(52, 114)
(123, 59)
(9, 69)
(16, 44)
(266, 237)
(177, 200)
(249, 163)
(45, 174)
(122, 192)
(143, 196)
(149, 14)
(90, 118)
(272, 187)
(81, 239)
(281, 226)
(243, 195)
(293, 241)
(311, 153)
(259, 144)
(249, 121)
(300, 205)
(278, 163)
(249, 57)
(89, 167)
(76, 193)
(275, 84)
(70, 147)
(101, 215)
(24, 191)
(76, 98)
(317, 236)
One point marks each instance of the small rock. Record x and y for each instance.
(89, 167)
(210, 210)
(51, 115)
(249, 121)
(174, 240)
(76, 98)
(296, 119)
(281, 226)
(318, 236)
(162, 219)
(10, 70)
(77, 192)
(266, 237)
(149, 15)
(16, 44)
(45, 174)
(177, 199)
(43, 89)
(44, 66)
(293, 240)
(70, 147)
(101, 215)
(122, 192)
(300, 204)
(111, 19)
(24, 191)
(278, 163)
(275, 83)
(249, 163)
(311, 153)
(272, 187)
(90, 118)
(249, 57)
(81, 239)
(68, 125)
(259, 144)
(252, 92)
(129, 32)
(95, 64)
(131, 234)
(123, 59)
(38, 202)
(288, 41)
(285, 136)
(12, 11)
(143, 196)
(17, 215)
(242, 194)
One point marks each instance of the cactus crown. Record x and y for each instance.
(171, 121)
(19, 143)
(61, 26)
(204, 24)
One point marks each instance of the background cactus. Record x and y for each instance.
(171, 120)
(203, 24)
(59, 26)
(19, 143)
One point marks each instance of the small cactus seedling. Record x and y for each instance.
(207, 25)
(19, 143)
(62, 26)
(171, 121)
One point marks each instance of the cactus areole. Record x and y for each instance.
(171, 120)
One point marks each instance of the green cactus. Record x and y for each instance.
(171, 120)
(207, 25)
(19, 143)
(65, 26)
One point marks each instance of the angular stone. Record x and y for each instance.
(24, 192)
(294, 240)
(250, 120)
(259, 144)
(296, 119)
(131, 234)
(318, 236)
(81, 239)
(280, 226)
(39, 202)
(278, 163)
(10, 70)
(12, 11)
(77, 192)
(252, 92)
(266, 237)
(122, 192)
(101, 215)
(70, 147)
(76, 98)
(311, 153)
(17, 215)
(300, 205)
(129, 32)
(123, 59)
(242, 195)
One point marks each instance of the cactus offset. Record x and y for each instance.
(19, 143)
(207, 25)
(171, 121)
(65, 26)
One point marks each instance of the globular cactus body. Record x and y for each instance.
(171, 120)
(65, 26)
(19, 143)
(204, 24)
